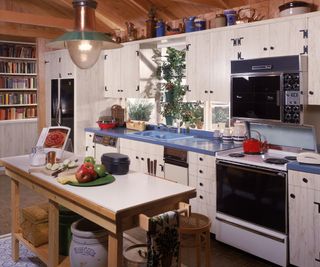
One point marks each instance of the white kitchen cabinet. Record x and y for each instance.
(313, 61)
(60, 64)
(304, 213)
(130, 71)
(90, 145)
(140, 152)
(112, 86)
(199, 66)
(202, 176)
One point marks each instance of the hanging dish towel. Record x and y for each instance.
(163, 240)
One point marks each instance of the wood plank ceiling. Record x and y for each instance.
(25, 19)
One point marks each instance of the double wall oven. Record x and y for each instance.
(269, 88)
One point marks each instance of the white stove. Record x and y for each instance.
(279, 158)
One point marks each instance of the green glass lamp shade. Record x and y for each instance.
(84, 47)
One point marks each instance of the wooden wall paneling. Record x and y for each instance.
(41, 49)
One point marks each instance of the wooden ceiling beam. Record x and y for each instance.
(36, 20)
(206, 3)
(12, 29)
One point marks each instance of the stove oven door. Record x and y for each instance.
(252, 194)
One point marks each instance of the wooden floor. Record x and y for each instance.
(221, 254)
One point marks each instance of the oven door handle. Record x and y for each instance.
(261, 67)
(282, 240)
(244, 167)
(278, 98)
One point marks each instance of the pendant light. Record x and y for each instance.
(84, 43)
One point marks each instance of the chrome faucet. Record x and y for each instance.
(165, 127)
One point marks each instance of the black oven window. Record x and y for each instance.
(252, 195)
(256, 97)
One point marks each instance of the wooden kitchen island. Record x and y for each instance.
(115, 206)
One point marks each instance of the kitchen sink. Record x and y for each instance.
(162, 135)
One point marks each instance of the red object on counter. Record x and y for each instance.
(106, 125)
(255, 146)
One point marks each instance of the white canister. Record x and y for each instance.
(294, 8)
(89, 244)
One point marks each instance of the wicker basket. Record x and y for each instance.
(118, 114)
(136, 125)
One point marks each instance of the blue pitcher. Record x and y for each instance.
(189, 24)
(160, 28)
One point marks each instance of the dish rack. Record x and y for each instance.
(136, 125)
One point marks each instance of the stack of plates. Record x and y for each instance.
(238, 139)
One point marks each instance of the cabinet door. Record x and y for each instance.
(112, 73)
(287, 38)
(313, 61)
(67, 67)
(130, 71)
(90, 146)
(317, 228)
(199, 65)
(301, 226)
(249, 42)
(53, 65)
(222, 67)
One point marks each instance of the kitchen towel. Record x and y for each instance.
(163, 240)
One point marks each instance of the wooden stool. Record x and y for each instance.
(198, 226)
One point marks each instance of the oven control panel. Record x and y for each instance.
(105, 140)
(291, 87)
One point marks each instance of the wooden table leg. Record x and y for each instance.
(53, 234)
(15, 225)
(115, 247)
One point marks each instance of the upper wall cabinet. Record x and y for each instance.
(129, 72)
(274, 39)
(60, 65)
(313, 61)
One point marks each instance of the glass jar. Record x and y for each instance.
(37, 156)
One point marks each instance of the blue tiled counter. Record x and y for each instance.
(200, 145)
(308, 168)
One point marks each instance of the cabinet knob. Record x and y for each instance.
(292, 196)
(201, 197)
(201, 159)
(142, 158)
(206, 91)
(305, 180)
(200, 171)
(265, 49)
(271, 47)
(211, 92)
(69, 73)
(201, 184)
(310, 92)
(137, 157)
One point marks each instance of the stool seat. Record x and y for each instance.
(196, 226)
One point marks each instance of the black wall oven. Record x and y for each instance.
(268, 88)
(252, 194)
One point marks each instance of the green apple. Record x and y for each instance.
(89, 159)
(100, 170)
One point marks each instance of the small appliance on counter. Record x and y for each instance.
(294, 8)
(116, 163)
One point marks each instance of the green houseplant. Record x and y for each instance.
(140, 110)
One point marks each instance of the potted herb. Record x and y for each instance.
(140, 110)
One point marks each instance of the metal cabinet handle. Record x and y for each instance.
(292, 196)
(318, 204)
(87, 148)
(138, 88)
(211, 92)
(46, 62)
(305, 180)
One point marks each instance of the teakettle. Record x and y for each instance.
(255, 146)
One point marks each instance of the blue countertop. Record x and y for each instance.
(195, 144)
(301, 167)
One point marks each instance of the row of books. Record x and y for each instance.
(17, 113)
(17, 50)
(18, 67)
(18, 98)
(18, 82)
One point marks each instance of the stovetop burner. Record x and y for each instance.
(277, 161)
(291, 157)
(236, 155)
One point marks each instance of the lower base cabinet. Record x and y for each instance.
(304, 219)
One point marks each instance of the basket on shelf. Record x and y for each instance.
(118, 114)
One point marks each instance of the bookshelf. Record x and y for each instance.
(18, 81)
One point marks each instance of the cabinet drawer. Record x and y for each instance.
(206, 185)
(206, 172)
(306, 180)
(125, 143)
(206, 197)
(201, 159)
